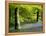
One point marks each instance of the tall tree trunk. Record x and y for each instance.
(37, 15)
(16, 24)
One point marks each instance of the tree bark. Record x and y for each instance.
(37, 15)
(16, 24)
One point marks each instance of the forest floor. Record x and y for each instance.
(37, 27)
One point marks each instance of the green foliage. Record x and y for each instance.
(27, 13)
